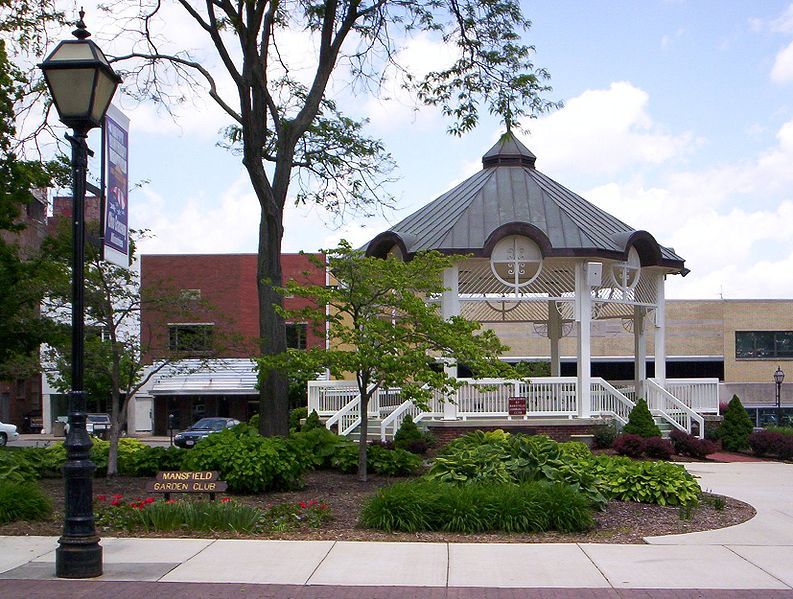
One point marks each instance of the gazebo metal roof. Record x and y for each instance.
(510, 196)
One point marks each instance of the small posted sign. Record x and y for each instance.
(187, 482)
(517, 406)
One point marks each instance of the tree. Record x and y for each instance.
(737, 426)
(641, 421)
(22, 329)
(383, 331)
(287, 127)
(115, 357)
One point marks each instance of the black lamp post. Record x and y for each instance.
(82, 83)
(779, 376)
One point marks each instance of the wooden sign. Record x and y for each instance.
(187, 482)
(517, 406)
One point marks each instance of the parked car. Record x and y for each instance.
(97, 425)
(202, 429)
(8, 432)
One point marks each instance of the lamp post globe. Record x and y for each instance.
(779, 377)
(82, 84)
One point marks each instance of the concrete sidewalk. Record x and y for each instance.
(726, 563)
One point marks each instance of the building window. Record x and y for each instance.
(296, 335)
(764, 345)
(192, 338)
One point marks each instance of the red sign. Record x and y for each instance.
(517, 406)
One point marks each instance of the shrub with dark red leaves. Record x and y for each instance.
(629, 445)
(658, 448)
(691, 445)
(772, 443)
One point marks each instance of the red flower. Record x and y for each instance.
(150, 500)
(313, 502)
(225, 500)
(171, 501)
(323, 506)
(117, 496)
(115, 502)
(303, 504)
(101, 497)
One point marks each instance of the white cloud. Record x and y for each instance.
(199, 225)
(604, 131)
(782, 71)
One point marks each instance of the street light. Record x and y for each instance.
(82, 83)
(779, 376)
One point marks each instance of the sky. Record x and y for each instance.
(677, 119)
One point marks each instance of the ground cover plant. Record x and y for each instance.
(23, 501)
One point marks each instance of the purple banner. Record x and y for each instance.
(117, 182)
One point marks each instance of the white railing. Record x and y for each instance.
(394, 420)
(662, 403)
(628, 391)
(701, 395)
(610, 401)
(347, 419)
(485, 397)
(328, 397)
(551, 396)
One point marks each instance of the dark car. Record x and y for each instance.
(201, 429)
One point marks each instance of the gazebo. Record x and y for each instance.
(538, 252)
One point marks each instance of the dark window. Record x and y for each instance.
(763, 345)
(296, 335)
(192, 338)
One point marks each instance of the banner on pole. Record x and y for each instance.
(116, 181)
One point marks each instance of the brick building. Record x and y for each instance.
(221, 328)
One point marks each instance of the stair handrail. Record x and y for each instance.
(620, 397)
(345, 410)
(395, 418)
(661, 393)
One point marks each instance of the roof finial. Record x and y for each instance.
(81, 32)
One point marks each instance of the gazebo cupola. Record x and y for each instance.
(540, 253)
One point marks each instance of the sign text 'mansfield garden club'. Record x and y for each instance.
(187, 482)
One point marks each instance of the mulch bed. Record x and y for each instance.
(621, 522)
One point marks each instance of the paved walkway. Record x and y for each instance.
(754, 559)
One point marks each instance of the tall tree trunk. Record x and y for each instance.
(364, 437)
(274, 387)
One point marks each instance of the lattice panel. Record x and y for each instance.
(643, 293)
(555, 280)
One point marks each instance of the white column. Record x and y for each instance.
(583, 298)
(660, 330)
(450, 306)
(639, 351)
(554, 334)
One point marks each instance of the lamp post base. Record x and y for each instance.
(79, 557)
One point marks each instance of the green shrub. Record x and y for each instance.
(640, 421)
(736, 427)
(247, 461)
(408, 432)
(23, 501)
(574, 449)
(604, 436)
(312, 421)
(646, 482)
(17, 466)
(253, 422)
(499, 457)
(431, 505)
(150, 460)
(295, 416)
(317, 446)
(392, 462)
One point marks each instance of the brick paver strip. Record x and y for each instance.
(729, 458)
(92, 589)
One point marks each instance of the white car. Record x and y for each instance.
(8, 432)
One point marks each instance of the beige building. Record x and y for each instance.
(741, 342)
